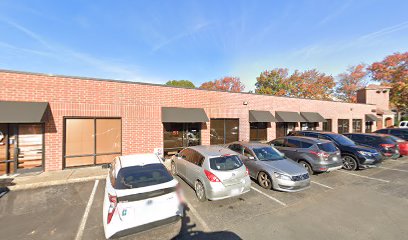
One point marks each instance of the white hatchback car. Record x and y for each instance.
(140, 194)
(403, 124)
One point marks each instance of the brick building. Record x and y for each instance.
(52, 122)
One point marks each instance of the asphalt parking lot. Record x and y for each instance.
(366, 204)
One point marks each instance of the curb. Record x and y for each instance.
(54, 183)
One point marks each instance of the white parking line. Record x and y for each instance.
(86, 213)
(400, 170)
(321, 184)
(378, 179)
(270, 197)
(195, 213)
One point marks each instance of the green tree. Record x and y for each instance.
(274, 82)
(181, 83)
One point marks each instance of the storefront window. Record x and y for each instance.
(308, 126)
(90, 141)
(357, 125)
(177, 136)
(284, 128)
(343, 125)
(224, 131)
(369, 127)
(258, 131)
(327, 126)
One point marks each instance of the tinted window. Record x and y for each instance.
(247, 153)
(342, 140)
(267, 154)
(306, 144)
(357, 137)
(236, 148)
(278, 142)
(327, 147)
(294, 143)
(225, 163)
(382, 131)
(310, 134)
(142, 176)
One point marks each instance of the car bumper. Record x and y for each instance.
(370, 162)
(327, 167)
(145, 227)
(290, 186)
(219, 191)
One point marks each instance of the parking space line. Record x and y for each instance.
(195, 213)
(394, 169)
(321, 184)
(357, 175)
(86, 213)
(270, 197)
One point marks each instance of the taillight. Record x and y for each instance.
(211, 176)
(387, 145)
(113, 202)
(247, 172)
(320, 154)
(179, 193)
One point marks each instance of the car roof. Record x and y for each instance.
(307, 139)
(369, 134)
(138, 160)
(251, 144)
(316, 131)
(212, 150)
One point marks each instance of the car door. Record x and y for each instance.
(250, 162)
(292, 148)
(194, 166)
(181, 162)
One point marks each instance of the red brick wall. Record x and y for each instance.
(139, 106)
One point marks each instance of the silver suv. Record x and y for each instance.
(213, 171)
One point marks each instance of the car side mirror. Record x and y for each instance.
(106, 165)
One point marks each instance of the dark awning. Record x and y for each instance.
(22, 112)
(370, 118)
(289, 117)
(312, 117)
(261, 116)
(188, 115)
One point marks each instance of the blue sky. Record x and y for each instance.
(156, 41)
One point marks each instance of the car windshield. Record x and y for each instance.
(142, 176)
(342, 140)
(267, 154)
(327, 147)
(225, 163)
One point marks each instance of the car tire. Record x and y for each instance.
(264, 180)
(173, 169)
(307, 166)
(349, 163)
(200, 191)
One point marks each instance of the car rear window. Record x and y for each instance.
(327, 147)
(225, 163)
(142, 176)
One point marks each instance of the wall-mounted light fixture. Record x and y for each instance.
(245, 103)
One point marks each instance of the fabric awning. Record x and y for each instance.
(22, 112)
(370, 118)
(261, 116)
(312, 117)
(289, 117)
(185, 115)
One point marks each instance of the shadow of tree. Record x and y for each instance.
(187, 231)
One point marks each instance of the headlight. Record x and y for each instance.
(283, 176)
(365, 154)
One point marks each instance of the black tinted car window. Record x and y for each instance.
(142, 176)
(306, 145)
(310, 134)
(327, 147)
(321, 136)
(358, 138)
(236, 148)
(225, 163)
(279, 142)
(342, 140)
(294, 143)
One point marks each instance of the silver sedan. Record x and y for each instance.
(271, 168)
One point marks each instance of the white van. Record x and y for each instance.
(403, 124)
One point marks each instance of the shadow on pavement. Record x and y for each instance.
(187, 232)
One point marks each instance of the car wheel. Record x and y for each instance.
(264, 180)
(349, 163)
(173, 169)
(307, 166)
(200, 191)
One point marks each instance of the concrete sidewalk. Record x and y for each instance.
(35, 180)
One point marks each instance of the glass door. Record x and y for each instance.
(3, 149)
(30, 147)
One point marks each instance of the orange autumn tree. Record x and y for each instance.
(311, 84)
(230, 84)
(274, 82)
(350, 81)
(393, 72)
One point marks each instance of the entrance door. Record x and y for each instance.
(21, 148)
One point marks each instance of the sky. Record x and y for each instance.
(155, 41)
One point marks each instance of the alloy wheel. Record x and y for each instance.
(199, 188)
(264, 180)
(349, 163)
(307, 167)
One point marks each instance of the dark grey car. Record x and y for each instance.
(316, 155)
